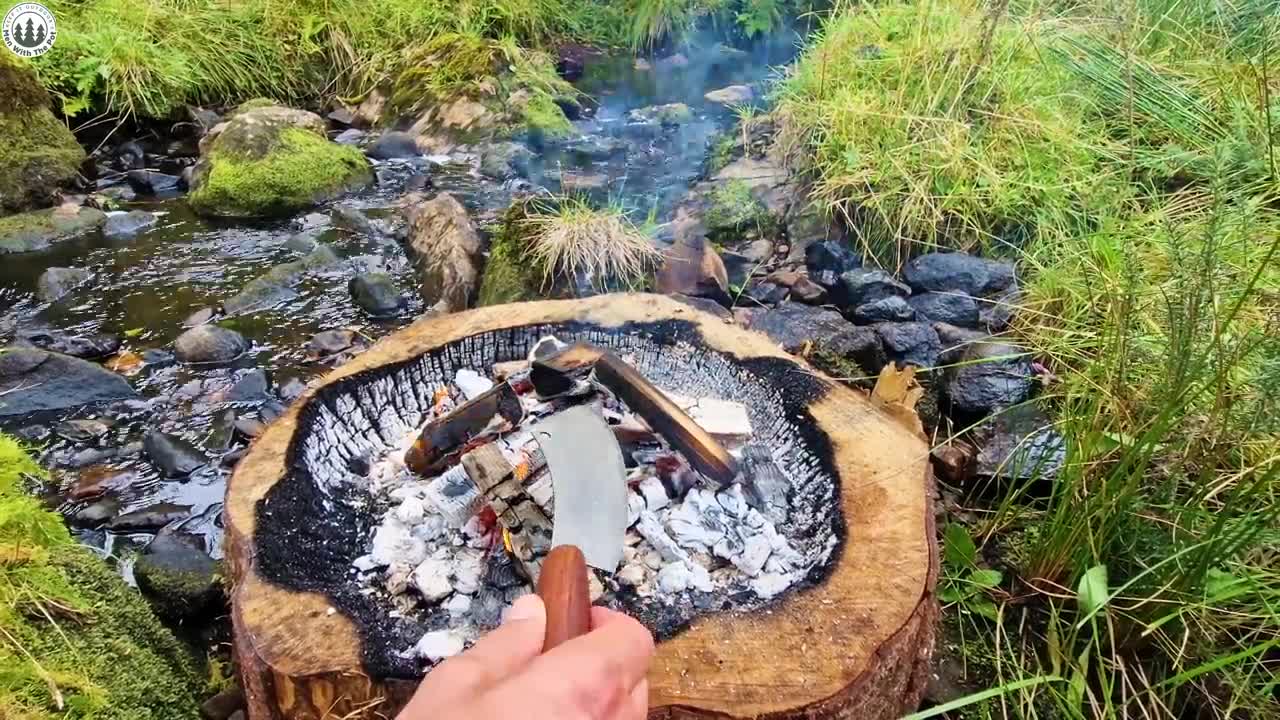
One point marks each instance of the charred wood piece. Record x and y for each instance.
(449, 433)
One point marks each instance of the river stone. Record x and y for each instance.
(270, 161)
(56, 282)
(252, 386)
(38, 154)
(275, 286)
(446, 252)
(798, 327)
(670, 115)
(123, 225)
(392, 145)
(860, 287)
(178, 578)
(1020, 444)
(911, 343)
(989, 376)
(353, 220)
(91, 346)
(209, 344)
(732, 95)
(173, 456)
(890, 309)
(376, 294)
(32, 380)
(42, 229)
(149, 518)
(98, 480)
(331, 342)
(97, 512)
(503, 160)
(948, 307)
(150, 182)
(941, 272)
(831, 256)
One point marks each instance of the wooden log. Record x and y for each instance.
(854, 644)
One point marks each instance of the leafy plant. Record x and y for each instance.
(963, 582)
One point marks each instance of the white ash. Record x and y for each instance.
(434, 548)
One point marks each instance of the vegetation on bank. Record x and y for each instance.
(75, 642)
(1124, 155)
(38, 153)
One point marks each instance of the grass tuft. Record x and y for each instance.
(570, 239)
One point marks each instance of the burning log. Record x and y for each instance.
(837, 491)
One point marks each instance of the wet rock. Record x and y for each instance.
(942, 272)
(150, 182)
(129, 155)
(94, 482)
(123, 225)
(890, 309)
(56, 282)
(446, 250)
(89, 347)
(860, 287)
(249, 427)
(249, 168)
(766, 293)
(350, 136)
(597, 147)
(393, 145)
(1020, 444)
(911, 343)
(292, 389)
(997, 312)
(223, 705)
(804, 329)
(203, 316)
(831, 256)
(150, 518)
(342, 116)
(209, 344)
(179, 579)
(40, 155)
(989, 376)
(731, 95)
(157, 358)
(353, 220)
(82, 430)
(806, 225)
(503, 160)
(331, 342)
(32, 380)
(97, 512)
(670, 115)
(42, 229)
(275, 286)
(173, 456)
(252, 386)
(952, 308)
(377, 294)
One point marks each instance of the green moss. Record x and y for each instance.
(509, 274)
(254, 104)
(733, 208)
(723, 152)
(300, 170)
(542, 115)
(38, 155)
(19, 88)
(74, 634)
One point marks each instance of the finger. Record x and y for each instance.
(591, 676)
(495, 657)
(637, 707)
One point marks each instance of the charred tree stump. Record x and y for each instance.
(854, 643)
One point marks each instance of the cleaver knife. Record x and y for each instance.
(589, 481)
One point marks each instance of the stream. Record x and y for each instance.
(143, 288)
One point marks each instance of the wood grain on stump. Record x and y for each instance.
(857, 644)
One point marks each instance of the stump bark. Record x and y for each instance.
(857, 644)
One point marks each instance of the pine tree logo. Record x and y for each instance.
(29, 29)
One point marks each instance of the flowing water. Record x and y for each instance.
(143, 288)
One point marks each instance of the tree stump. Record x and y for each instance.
(856, 643)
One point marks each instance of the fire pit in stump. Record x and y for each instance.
(343, 598)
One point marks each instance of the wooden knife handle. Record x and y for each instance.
(562, 585)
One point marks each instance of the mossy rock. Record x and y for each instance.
(77, 636)
(510, 274)
(272, 161)
(41, 229)
(39, 154)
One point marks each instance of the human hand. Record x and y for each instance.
(598, 676)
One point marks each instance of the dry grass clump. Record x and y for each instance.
(572, 239)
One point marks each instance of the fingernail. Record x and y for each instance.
(527, 607)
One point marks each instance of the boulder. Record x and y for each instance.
(355, 221)
(56, 282)
(947, 307)
(446, 250)
(209, 344)
(41, 229)
(692, 266)
(393, 145)
(38, 156)
(731, 95)
(971, 275)
(802, 328)
(911, 343)
(330, 342)
(270, 161)
(861, 287)
(128, 224)
(377, 294)
(890, 309)
(503, 160)
(171, 455)
(831, 256)
(1020, 444)
(33, 380)
(987, 377)
(179, 579)
(90, 346)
